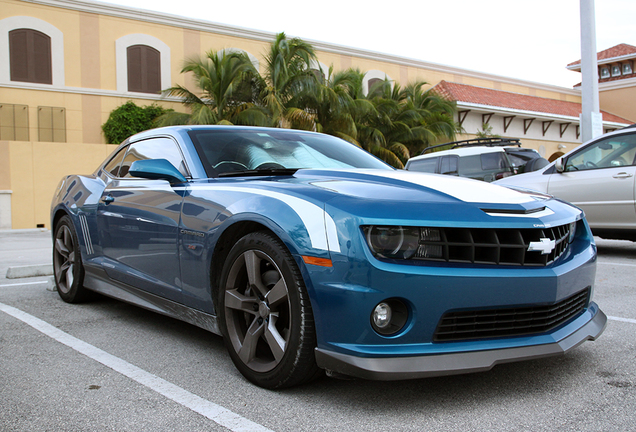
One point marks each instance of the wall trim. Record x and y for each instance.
(89, 91)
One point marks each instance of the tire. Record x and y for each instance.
(266, 316)
(67, 263)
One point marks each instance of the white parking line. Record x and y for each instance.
(24, 283)
(629, 320)
(214, 412)
(616, 264)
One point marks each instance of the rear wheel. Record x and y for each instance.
(67, 263)
(266, 316)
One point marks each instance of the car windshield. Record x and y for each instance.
(225, 152)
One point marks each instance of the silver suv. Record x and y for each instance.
(486, 159)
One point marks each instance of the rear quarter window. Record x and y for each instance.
(428, 165)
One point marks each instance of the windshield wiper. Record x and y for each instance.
(260, 172)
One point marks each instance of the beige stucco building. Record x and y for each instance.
(66, 64)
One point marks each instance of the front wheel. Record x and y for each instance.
(67, 263)
(266, 316)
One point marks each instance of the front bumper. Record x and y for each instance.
(398, 368)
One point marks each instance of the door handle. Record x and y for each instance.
(108, 199)
(622, 175)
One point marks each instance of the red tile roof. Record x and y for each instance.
(615, 51)
(503, 99)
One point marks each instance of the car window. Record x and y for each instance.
(518, 159)
(611, 152)
(492, 161)
(448, 165)
(223, 151)
(112, 167)
(486, 166)
(428, 165)
(155, 148)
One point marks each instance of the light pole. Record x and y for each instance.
(590, 119)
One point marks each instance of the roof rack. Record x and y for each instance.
(488, 142)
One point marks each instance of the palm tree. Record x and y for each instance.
(383, 128)
(288, 75)
(405, 120)
(436, 117)
(330, 106)
(226, 82)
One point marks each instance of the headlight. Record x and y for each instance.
(392, 241)
(397, 242)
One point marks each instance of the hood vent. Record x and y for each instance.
(535, 212)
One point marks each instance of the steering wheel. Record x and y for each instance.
(229, 166)
(589, 164)
(269, 166)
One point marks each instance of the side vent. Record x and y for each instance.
(86, 233)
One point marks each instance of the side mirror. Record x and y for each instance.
(559, 165)
(156, 169)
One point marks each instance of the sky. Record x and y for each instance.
(529, 40)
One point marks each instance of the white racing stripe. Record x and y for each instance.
(214, 412)
(463, 189)
(319, 224)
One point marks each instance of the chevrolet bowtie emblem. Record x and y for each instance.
(544, 245)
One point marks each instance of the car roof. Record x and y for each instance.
(466, 151)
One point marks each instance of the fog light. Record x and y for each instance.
(389, 316)
(382, 315)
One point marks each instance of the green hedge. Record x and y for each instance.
(129, 119)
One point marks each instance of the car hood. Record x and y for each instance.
(390, 190)
(412, 186)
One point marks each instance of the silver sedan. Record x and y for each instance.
(598, 177)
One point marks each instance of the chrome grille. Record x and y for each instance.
(482, 324)
(496, 246)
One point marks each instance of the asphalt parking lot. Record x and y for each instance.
(108, 366)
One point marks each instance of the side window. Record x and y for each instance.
(428, 165)
(448, 165)
(470, 166)
(493, 161)
(607, 153)
(112, 167)
(30, 56)
(144, 69)
(155, 148)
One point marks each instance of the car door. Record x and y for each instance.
(600, 180)
(138, 223)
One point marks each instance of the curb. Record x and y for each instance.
(23, 230)
(29, 271)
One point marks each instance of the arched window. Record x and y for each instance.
(373, 82)
(373, 77)
(251, 56)
(30, 56)
(32, 51)
(144, 69)
(143, 64)
(319, 70)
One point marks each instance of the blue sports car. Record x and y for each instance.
(308, 254)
